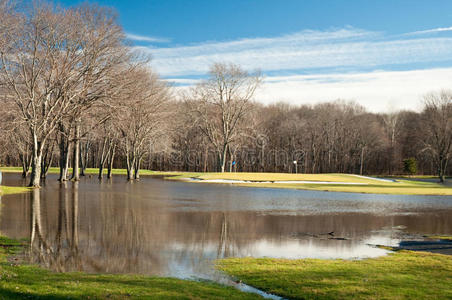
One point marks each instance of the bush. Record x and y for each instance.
(410, 165)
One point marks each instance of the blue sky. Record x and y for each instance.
(383, 54)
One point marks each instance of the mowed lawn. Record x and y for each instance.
(400, 275)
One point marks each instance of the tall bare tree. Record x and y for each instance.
(437, 123)
(54, 63)
(141, 118)
(221, 103)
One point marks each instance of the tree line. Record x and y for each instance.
(74, 95)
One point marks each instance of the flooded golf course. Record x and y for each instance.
(170, 228)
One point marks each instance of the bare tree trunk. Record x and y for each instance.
(111, 159)
(36, 163)
(64, 153)
(102, 157)
(206, 154)
(231, 159)
(36, 170)
(130, 166)
(362, 161)
(76, 158)
(64, 163)
(24, 163)
(136, 174)
(442, 166)
(223, 158)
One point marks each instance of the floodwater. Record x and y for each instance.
(170, 228)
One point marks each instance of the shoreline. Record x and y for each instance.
(328, 182)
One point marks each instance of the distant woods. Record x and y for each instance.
(73, 94)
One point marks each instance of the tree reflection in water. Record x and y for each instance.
(129, 228)
(56, 250)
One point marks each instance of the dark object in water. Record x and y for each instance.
(439, 246)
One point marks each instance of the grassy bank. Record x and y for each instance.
(19, 281)
(338, 182)
(400, 275)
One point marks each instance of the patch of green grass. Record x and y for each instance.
(27, 281)
(7, 190)
(400, 275)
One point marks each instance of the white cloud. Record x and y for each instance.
(142, 38)
(308, 50)
(378, 91)
(428, 31)
(323, 54)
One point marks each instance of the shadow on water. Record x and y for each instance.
(178, 229)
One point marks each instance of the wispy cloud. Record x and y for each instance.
(428, 31)
(307, 50)
(142, 38)
(321, 56)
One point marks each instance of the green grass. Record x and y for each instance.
(7, 190)
(401, 187)
(19, 281)
(400, 275)
(440, 237)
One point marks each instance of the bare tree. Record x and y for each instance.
(220, 103)
(142, 117)
(53, 65)
(437, 123)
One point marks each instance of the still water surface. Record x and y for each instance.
(170, 228)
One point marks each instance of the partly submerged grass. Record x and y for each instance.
(440, 237)
(397, 188)
(7, 190)
(88, 171)
(400, 275)
(365, 185)
(27, 281)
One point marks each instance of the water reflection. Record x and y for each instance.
(164, 228)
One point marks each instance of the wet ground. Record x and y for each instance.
(177, 229)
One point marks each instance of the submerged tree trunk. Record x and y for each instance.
(130, 165)
(111, 159)
(47, 161)
(84, 157)
(35, 178)
(64, 152)
(76, 158)
(136, 173)
(102, 158)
